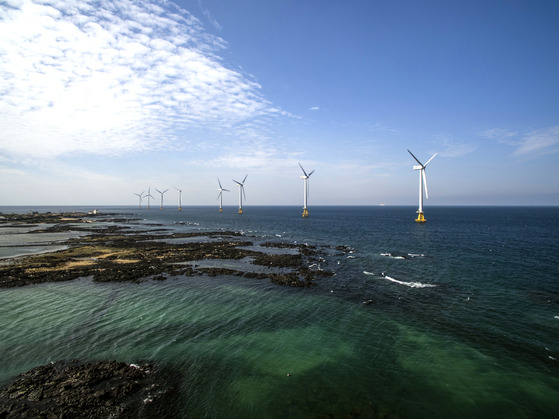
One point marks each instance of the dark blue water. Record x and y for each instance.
(461, 316)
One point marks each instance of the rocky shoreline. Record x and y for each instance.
(115, 253)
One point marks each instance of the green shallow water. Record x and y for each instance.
(246, 349)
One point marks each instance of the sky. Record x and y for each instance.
(102, 99)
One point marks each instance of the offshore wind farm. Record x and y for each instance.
(305, 177)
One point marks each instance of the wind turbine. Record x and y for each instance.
(148, 196)
(220, 196)
(241, 193)
(140, 195)
(422, 183)
(306, 196)
(161, 206)
(180, 198)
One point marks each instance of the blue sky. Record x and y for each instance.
(103, 99)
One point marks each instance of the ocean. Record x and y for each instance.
(457, 317)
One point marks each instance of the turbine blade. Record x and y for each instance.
(425, 183)
(421, 164)
(157, 190)
(238, 183)
(245, 179)
(244, 194)
(430, 159)
(311, 173)
(303, 169)
(219, 194)
(220, 187)
(227, 190)
(165, 190)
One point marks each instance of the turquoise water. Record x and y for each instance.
(461, 320)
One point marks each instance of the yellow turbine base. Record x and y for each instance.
(220, 210)
(240, 210)
(305, 212)
(420, 218)
(180, 209)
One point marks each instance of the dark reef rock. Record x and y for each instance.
(94, 390)
(115, 254)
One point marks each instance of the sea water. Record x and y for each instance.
(457, 317)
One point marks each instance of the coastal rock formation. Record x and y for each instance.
(94, 390)
(113, 254)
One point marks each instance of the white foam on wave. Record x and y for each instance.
(390, 255)
(407, 284)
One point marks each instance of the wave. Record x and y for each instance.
(396, 255)
(407, 284)
(393, 256)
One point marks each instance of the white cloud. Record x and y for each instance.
(207, 14)
(452, 148)
(531, 143)
(112, 77)
(539, 141)
(314, 108)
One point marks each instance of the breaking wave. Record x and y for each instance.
(407, 284)
(395, 255)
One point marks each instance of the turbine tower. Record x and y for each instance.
(422, 183)
(306, 190)
(180, 198)
(140, 196)
(241, 193)
(148, 196)
(220, 196)
(161, 206)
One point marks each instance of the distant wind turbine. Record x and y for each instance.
(140, 196)
(180, 198)
(241, 193)
(422, 184)
(161, 206)
(148, 196)
(220, 196)
(306, 190)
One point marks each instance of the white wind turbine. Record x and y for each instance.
(422, 184)
(140, 196)
(220, 196)
(306, 190)
(241, 193)
(180, 198)
(161, 206)
(148, 196)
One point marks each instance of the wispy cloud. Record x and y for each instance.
(539, 141)
(453, 148)
(114, 76)
(208, 15)
(314, 108)
(531, 143)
